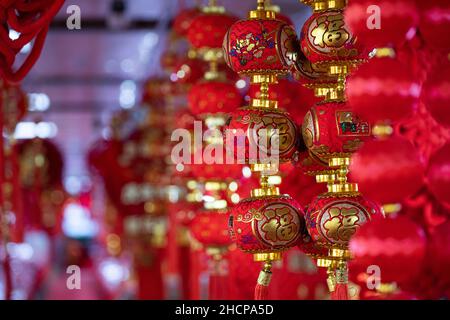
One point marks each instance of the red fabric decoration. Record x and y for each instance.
(260, 46)
(210, 97)
(333, 220)
(396, 18)
(326, 40)
(303, 188)
(435, 15)
(266, 224)
(388, 170)
(396, 245)
(383, 89)
(183, 20)
(439, 255)
(32, 21)
(436, 93)
(438, 174)
(246, 124)
(208, 29)
(332, 130)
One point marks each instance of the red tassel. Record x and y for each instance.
(341, 290)
(262, 286)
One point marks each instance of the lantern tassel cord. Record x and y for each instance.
(262, 286)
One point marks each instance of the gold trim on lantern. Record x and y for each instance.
(385, 52)
(267, 256)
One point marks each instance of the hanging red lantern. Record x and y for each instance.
(332, 220)
(207, 29)
(183, 20)
(247, 127)
(326, 40)
(381, 24)
(396, 245)
(434, 15)
(438, 174)
(257, 46)
(383, 89)
(211, 97)
(436, 93)
(387, 170)
(266, 224)
(332, 130)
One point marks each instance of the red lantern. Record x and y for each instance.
(381, 24)
(266, 224)
(209, 227)
(189, 70)
(439, 255)
(332, 130)
(247, 127)
(260, 46)
(211, 97)
(326, 40)
(436, 93)
(183, 20)
(332, 220)
(395, 245)
(387, 170)
(435, 15)
(208, 29)
(438, 174)
(383, 89)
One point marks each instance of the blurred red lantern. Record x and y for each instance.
(216, 172)
(208, 29)
(396, 245)
(332, 220)
(183, 20)
(436, 93)
(260, 46)
(381, 24)
(212, 97)
(439, 254)
(156, 90)
(332, 130)
(169, 60)
(252, 131)
(435, 15)
(326, 40)
(438, 174)
(266, 224)
(209, 227)
(397, 295)
(383, 89)
(189, 70)
(387, 170)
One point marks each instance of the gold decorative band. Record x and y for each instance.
(267, 256)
